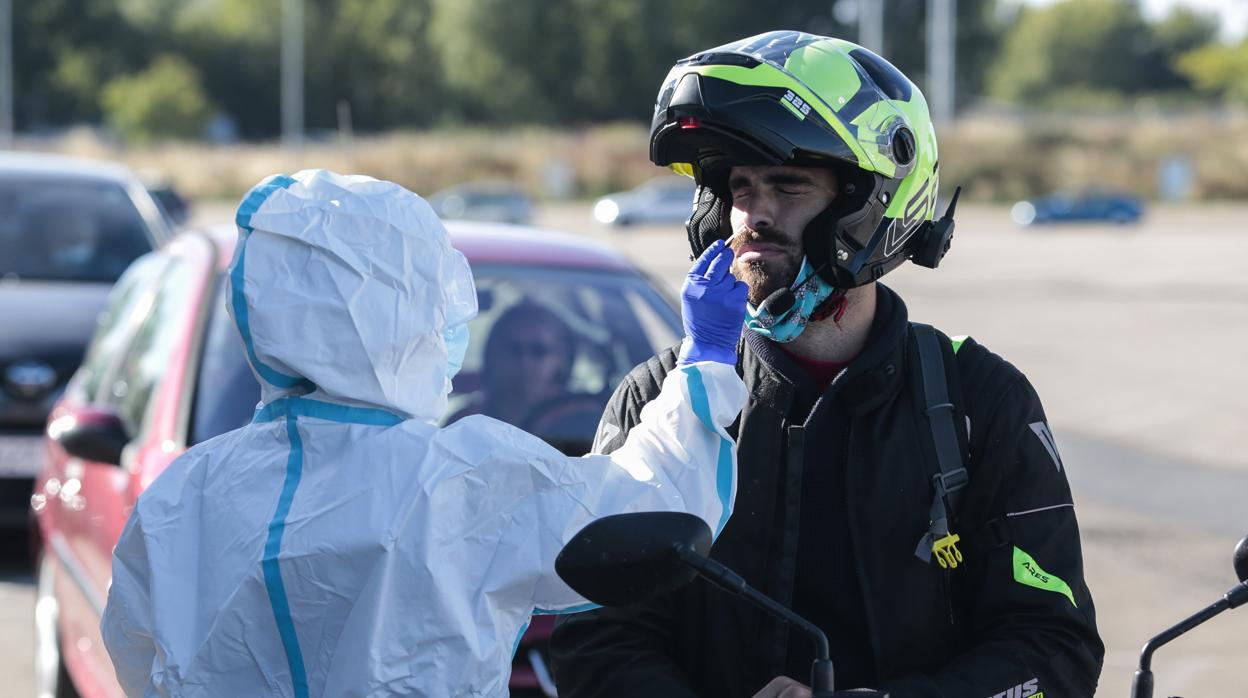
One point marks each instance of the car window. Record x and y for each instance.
(550, 345)
(576, 334)
(68, 230)
(226, 391)
(149, 352)
(128, 303)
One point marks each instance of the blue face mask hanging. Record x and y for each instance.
(809, 290)
(456, 339)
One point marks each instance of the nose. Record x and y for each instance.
(760, 212)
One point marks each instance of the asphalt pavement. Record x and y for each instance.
(1135, 339)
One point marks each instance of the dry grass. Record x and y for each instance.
(994, 158)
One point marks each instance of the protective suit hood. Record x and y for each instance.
(343, 288)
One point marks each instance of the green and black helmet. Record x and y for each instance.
(790, 98)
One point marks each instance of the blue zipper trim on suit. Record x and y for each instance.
(290, 409)
(723, 472)
(238, 299)
(515, 646)
(575, 609)
(294, 406)
(271, 562)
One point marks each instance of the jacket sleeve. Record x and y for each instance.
(127, 621)
(625, 651)
(1030, 618)
(678, 458)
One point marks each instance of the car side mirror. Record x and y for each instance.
(94, 434)
(626, 558)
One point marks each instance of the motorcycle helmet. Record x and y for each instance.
(791, 98)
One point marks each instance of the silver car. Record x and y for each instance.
(491, 202)
(68, 228)
(658, 201)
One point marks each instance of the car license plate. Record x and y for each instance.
(20, 455)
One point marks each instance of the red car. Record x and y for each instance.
(562, 320)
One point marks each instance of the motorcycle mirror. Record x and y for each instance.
(622, 559)
(1241, 560)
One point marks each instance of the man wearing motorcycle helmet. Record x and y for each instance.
(816, 159)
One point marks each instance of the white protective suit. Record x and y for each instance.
(342, 544)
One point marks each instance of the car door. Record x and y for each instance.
(57, 500)
(104, 493)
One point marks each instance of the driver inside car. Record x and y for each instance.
(528, 362)
(344, 544)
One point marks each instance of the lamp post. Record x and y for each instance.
(292, 73)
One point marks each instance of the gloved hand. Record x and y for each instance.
(712, 303)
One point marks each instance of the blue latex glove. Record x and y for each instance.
(712, 304)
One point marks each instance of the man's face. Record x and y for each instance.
(531, 362)
(771, 206)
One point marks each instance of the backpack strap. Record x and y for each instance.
(952, 477)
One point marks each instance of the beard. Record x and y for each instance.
(766, 277)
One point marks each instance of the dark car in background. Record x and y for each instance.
(68, 229)
(562, 320)
(1086, 207)
(175, 207)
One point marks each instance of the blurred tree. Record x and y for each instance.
(234, 45)
(63, 51)
(374, 55)
(164, 101)
(978, 39)
(1072, 45)
(1094, 51)
(1184, 30)
(574, 61)
(1219, 69)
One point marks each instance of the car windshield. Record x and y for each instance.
(550, 345)
(546, 351)
(68, 230)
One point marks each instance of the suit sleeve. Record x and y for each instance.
(1031, 620)
(530, 500)
(628, 651)
(127, 621)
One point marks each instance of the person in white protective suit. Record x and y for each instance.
(342, 544)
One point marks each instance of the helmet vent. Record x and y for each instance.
(688, 92)
(890, 80)
(903, 147)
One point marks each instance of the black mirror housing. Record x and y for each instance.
(622, 559)
(1241, 560)
(92, 434)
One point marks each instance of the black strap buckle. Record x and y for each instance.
(951, 481)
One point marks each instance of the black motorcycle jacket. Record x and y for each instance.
(1014, 619)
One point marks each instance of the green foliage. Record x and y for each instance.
(434, 63)
(164, 101)
(506, 59)
(1219, 69)
(1073, 44)
(977, 42)
(1094, 51)
(63, 51)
